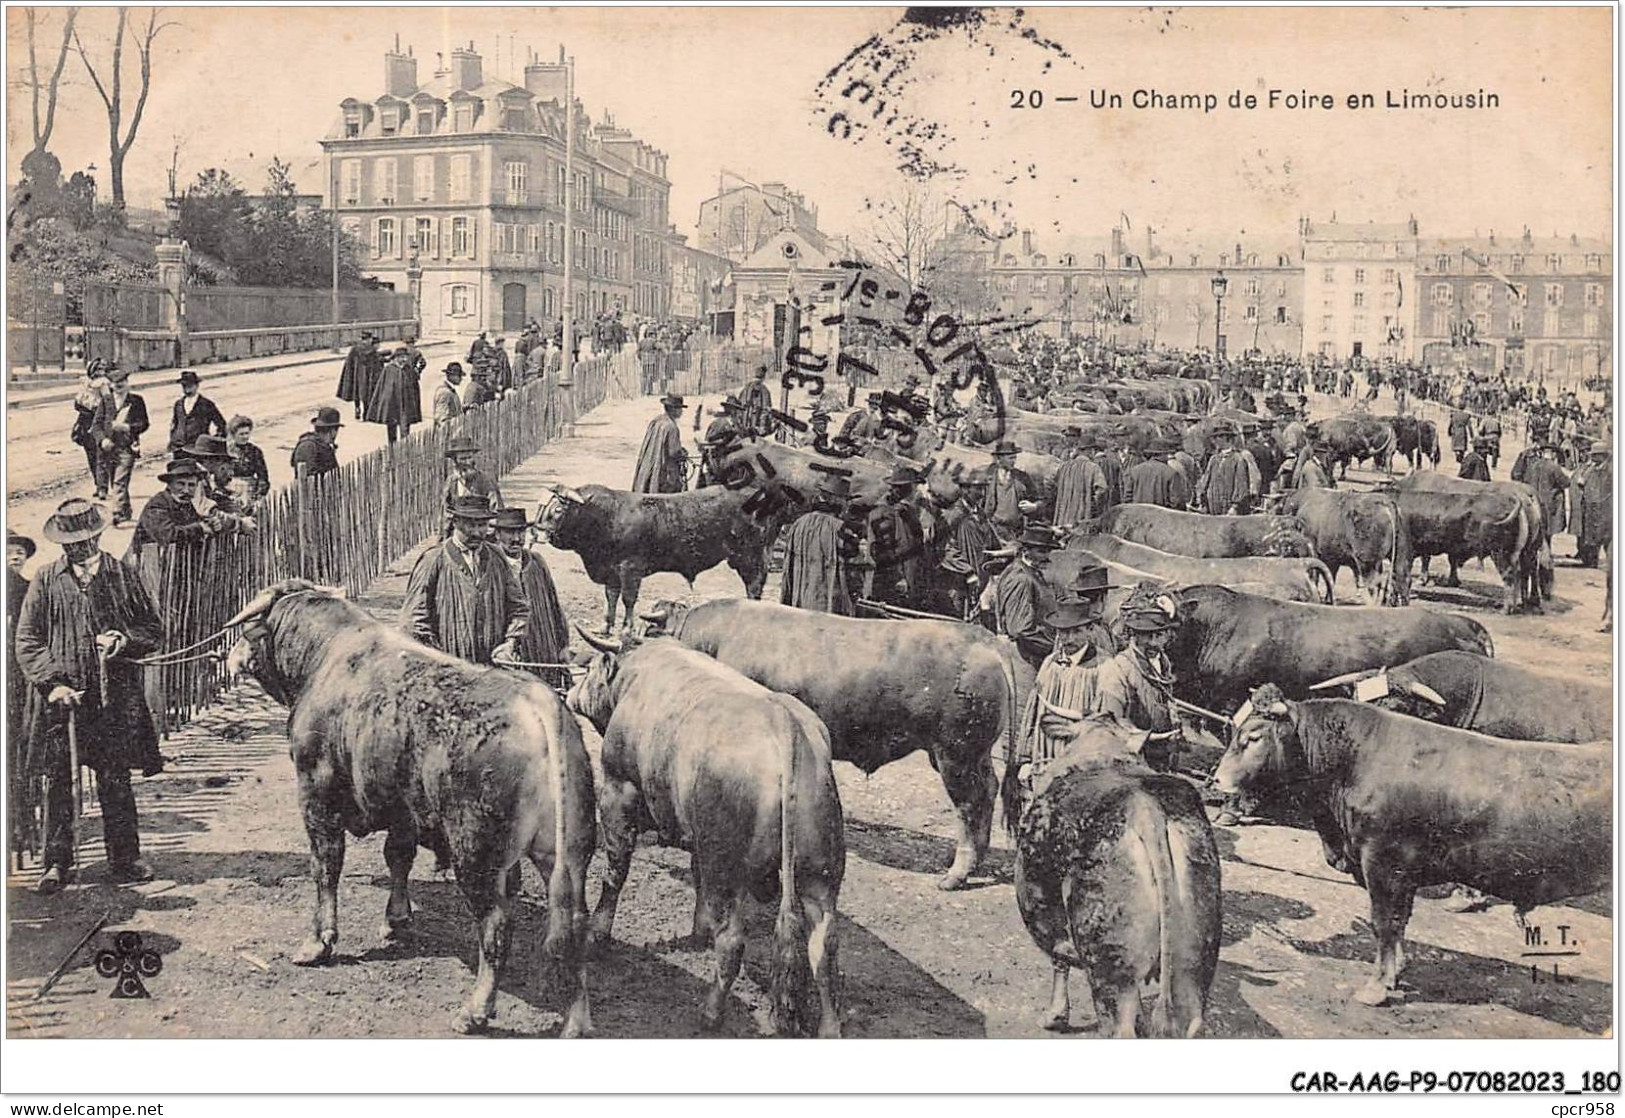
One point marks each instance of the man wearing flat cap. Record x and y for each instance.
(547, 633)
(1022, 597)
(463, 597)
(661, 458)
(85, 621)
(194, 415)
(1080, 485)
(820, 547)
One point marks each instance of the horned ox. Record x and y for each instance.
(1409, 803)
(387, 734)
(883, 688)
(1203, 536)
(1365, 532)
(1291, 580)
(738, 775)
(1464, 519)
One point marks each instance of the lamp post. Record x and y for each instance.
(1220, 286)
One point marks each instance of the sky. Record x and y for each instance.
(748, 90)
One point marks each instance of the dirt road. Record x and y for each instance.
(233, 896)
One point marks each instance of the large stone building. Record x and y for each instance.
(1359, 289)
(1536, 305)
(737, 221)
(463, 178)
(702, 290)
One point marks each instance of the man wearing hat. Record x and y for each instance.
(1155, 481)
(501, 366)
(84, 622)
(866, 424)
(316, 452)
(1261, 448)
(195, 414)
(360, 372)
(117, 431)
(478, 391)
(171, 516)
(661, 458)
(1080, 485)
(463, 597)
(395, 398)
(1088, 590)
(1022, 597)
(820, 547)
(1135, 687)
(722, 434)
(1012, 496)
(1110, 461)
(970, 536)
(1594, 505)
(213, 493)
(1227, 485)
(1551, 485)
(897, 544)
(448, 402)
(547, 633)
(1473, 466)
(756, 405)
(88, 405)
(1065, 690)
(1315, 466)
(467, 479)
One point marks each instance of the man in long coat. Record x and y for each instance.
(756, 404)
(360, 373)
(85, 620)
(1022, 597)
(1226, 485)
(463, 597)
(1551, 486)
(1012, 496)
(395, 401)
(661, 457)
(1155, 481)
(448, 403)
(19, 550)
(897, 543)
(1594, 505)
(547, 632)
(467, 479)
(964, 555)
(1080, 485)
(818, 550)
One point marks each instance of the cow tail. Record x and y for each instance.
(1399, 557)
(789, 969)
(562, 921)
(1010, 785)
(1152, 830)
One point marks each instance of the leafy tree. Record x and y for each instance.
(78, 202)
(215, 218)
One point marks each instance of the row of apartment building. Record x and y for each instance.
(1340, 290)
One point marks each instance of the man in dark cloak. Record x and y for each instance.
(467, 479)
(756, 405)
(1155, 481)
(1594, 505)
(1080, 485)
(84, 622)
(970, 537)
(463, 597)
(818, 550)
(547, 633)
(395, 401)
(661, 457)
(897, 543)
(360, 373)
(1023, 598)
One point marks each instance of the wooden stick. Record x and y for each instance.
(62, 967)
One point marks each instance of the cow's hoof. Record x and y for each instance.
(313, 952)
(1058, 1022)
(394, 931)
(467, 1022)
(1373, 994)
(951, 881)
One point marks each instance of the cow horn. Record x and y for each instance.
(1424, 692)
(657, 616)
(602, 644)
(1345, 679)
(258, 605)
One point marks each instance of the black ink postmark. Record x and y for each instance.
(127, 962)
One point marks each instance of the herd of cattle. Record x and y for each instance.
(1419, 757)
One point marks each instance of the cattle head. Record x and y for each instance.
(593, 696)
(553, 515)
(252, 651)
(1264, 750)
(1396, 691)
(666, 617)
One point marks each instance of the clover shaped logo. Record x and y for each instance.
(129, 963)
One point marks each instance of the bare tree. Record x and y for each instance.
(905, 231)
(119, 138)
(46, 91)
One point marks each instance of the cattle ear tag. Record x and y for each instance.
(1240, 717)
(1370, 690)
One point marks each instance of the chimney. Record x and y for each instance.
(1528, 239)
(1026, 242)
(1238, 254)
(774, 188)
(400, 71)
(1117, 244)
(546, 81)
(1412, 226)
(465, 68)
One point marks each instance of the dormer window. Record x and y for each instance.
(1100, 259)
(390, 121)
(462, 117)
(425, 122)
(352, 123)
(514, 118)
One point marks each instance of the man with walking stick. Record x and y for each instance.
(85, 621)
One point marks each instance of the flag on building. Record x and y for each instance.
(1485, 264)
(1124, 215)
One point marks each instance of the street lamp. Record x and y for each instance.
(1220, 286)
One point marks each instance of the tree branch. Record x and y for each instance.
(43, 138)
(153, 28)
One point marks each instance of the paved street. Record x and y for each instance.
(233, 892)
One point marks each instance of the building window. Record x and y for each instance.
(423, 178)
(1593, 294)
(1554, 263)
(1359, 298)
(423, 236)
(1040, 283)
(514, 118)
(1441, 323)
(462, 237)
(518, 172)
(1328, 275)
(1387, 275)
(1252, 285)
(1591, 322)
(1441, 263)
(350, 181)
(1360, 249)
(1551, 326)
(1515, 263)
(1280, 289)
(425, 122)
(1100, 259)
(1515, 321)
(352, 123)
(1443, 295)
(1481, 294)
(389, 120)
(1359, 324)
(1554, 295)
(1520, 294)
(1325, 324)
(1593, 262)
(1283, 261)
(384, 244)
(461, 302)
(384, 181)
(462, 177)
(1359, 275)
(1481, 324)
(1252, 313)
(1387, 298)
(1280, 316)
(462, 117)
